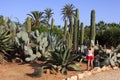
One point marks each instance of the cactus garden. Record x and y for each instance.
(54, 52)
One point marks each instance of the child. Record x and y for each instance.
(90, 56)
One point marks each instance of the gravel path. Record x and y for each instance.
(107, 75)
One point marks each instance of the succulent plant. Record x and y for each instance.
(5, 44)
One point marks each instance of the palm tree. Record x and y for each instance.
(37, 17)
(48, 14)
(68, 11)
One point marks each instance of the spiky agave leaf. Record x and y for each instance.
(5, 44)
(73, 67)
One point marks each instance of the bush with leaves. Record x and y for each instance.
(111, 37)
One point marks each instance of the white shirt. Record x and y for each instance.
(89, 53)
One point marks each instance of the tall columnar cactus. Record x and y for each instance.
(81, 33)
(1, 20)
(28, 24)
(71, 27)
(65, 29)
(76, 24)
(92, 26)
(52, 24)
(69, 40)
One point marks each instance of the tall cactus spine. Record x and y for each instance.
(92, 26)
(82, 33)
(28, 24)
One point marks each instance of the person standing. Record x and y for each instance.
(90, 56)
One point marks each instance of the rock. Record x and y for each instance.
(115, 68)
(80, 76)
(87, 73)
(103, 68)
(96, 70)
(68, 79)
(74, 78)
(118, 55)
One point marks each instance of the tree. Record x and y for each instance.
(68, 11)
(37, 17)
(48, 14)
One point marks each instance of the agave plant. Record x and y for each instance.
(5, 44)
(63, 59)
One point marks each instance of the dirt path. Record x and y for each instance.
(14, 71)
(107, 75)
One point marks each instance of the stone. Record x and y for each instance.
(87, 73)
(74, 78)
(118, 55)
(115, 68)
(96, 70)
(103, 68)
(80, 76)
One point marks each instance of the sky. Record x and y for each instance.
(106, 10)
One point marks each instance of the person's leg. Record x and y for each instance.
(91, 64)
(88, 65)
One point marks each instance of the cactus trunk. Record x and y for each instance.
(28, 24)
(76, 25)
(69, 40)
(65, 29)
(52, 25)
(81, 33)
(71, 27)
(1, 20)
(92, 26)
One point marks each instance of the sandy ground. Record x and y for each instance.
(13, 71)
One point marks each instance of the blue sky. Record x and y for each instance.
(106, 10)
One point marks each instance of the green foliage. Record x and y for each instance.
(111, 37)
(58, 32)
(40, 29)
(48, 14)
(67, 11)
(37, 17)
